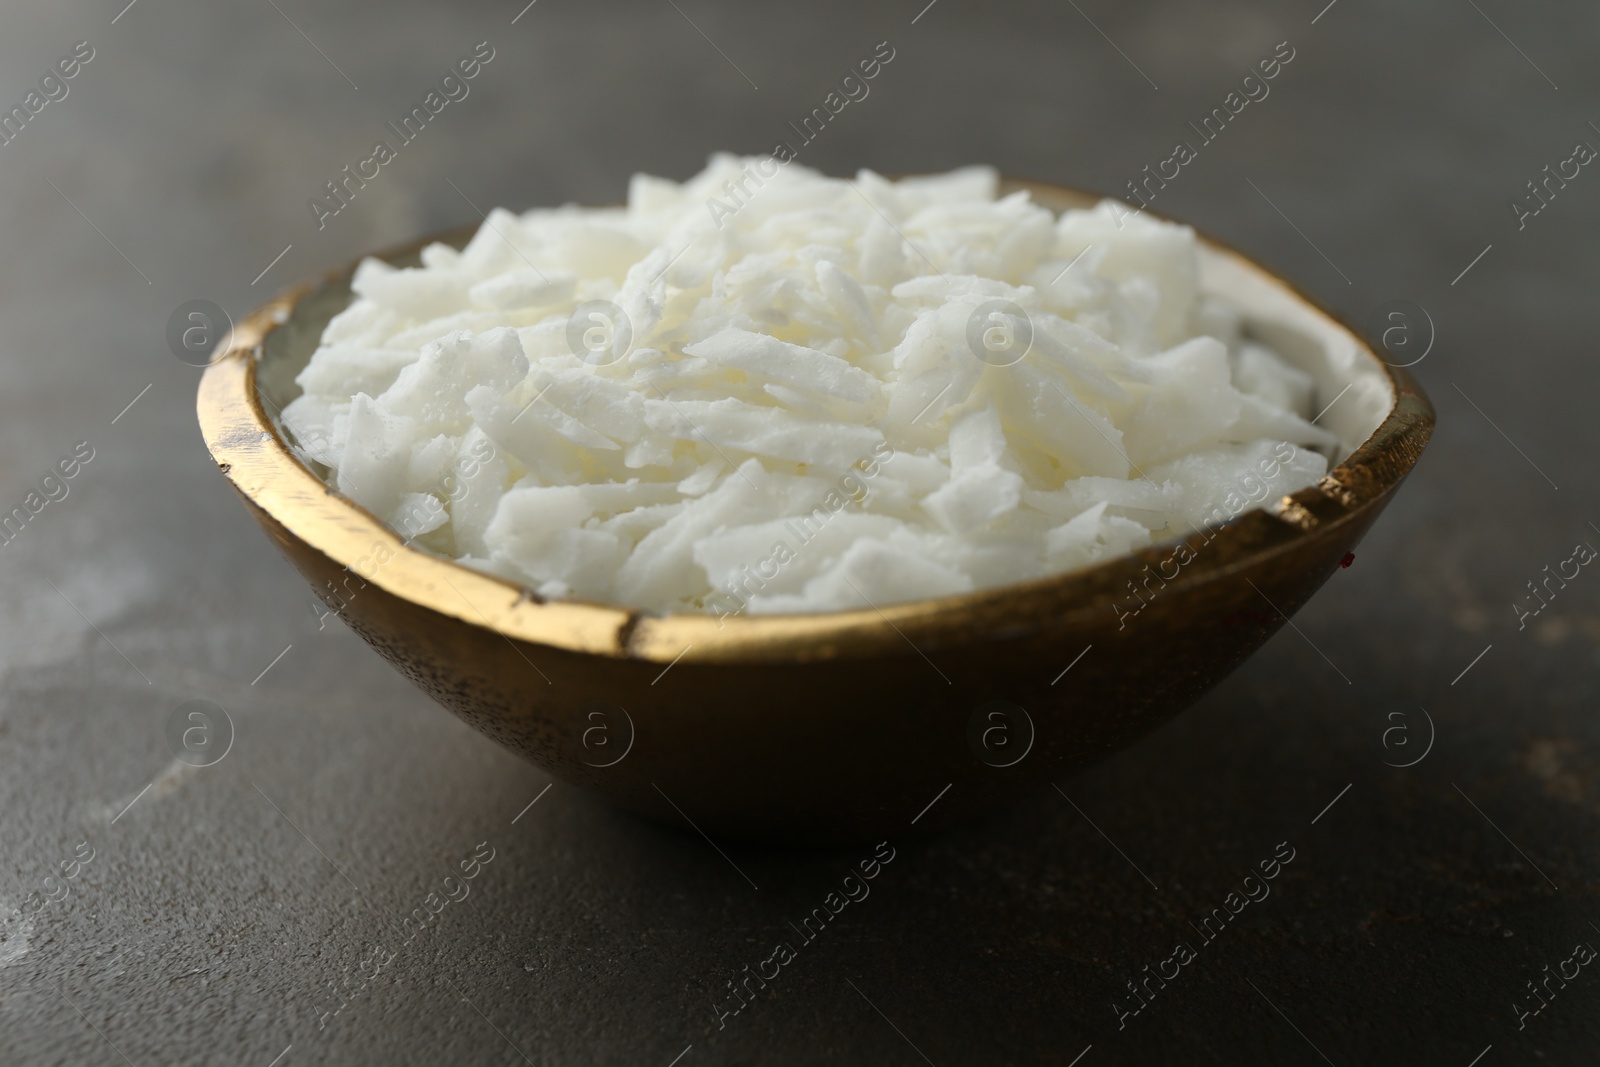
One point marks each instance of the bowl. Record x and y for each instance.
(842, 726)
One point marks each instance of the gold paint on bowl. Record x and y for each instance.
(844, 725)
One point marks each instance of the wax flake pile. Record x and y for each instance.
(835, 394)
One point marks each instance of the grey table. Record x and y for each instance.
(229, 911)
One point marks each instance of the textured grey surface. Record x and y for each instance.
(232, 904)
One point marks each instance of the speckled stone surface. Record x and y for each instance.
(251, 911)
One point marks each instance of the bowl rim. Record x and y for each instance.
(250, 449)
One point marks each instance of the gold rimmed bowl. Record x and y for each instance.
(843, 725)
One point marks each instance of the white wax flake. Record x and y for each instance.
(974, 497)
(731, 424)
(525, 288)
(1190, 402)
(377, 456)
(354, 369)
(1092, 536)
(873, 572)
(433, 390)
(764, 390)
(803, 368)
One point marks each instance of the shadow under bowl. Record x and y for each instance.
(847, 725)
